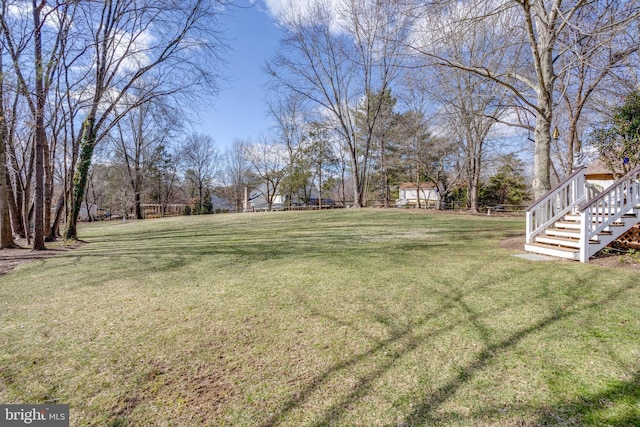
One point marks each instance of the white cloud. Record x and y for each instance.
(132, 50)
(280, 9)
(22, 10)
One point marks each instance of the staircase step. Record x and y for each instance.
(568, 224)
(551, 250)
(563, 241)
(617, 224)
(572, 219)
(563, 232)
(559, 241)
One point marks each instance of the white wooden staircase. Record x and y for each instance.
(573, 221)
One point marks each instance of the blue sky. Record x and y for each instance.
(239, 111)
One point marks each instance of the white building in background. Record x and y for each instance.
(257, 199)
(409, 192)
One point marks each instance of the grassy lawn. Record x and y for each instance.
(345, 317)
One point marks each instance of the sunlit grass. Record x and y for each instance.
(352, 317)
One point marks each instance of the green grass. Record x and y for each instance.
(350, 317)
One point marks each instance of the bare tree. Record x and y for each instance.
(135, 42)
(137, 139)
(237, 172)
(164, 174)
(335, 61)
(469, 107)
(268, 159)
(321, 156)
(598, 55)
(287, 111)
(101, 56)
(532, 31)
(381, 141)
(17, 35)
(6, 233)
(202, 162)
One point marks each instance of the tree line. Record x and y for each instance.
(71, 74)
(467, 78)
(364, 95)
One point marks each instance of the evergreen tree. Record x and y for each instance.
(507, 186)
(618, 142)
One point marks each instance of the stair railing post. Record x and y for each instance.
(581, 190)
(585, 218)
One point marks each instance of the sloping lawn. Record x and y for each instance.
(350, 317)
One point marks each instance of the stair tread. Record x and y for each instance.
(564, 231)
(569, 238)
(554, 251)
(558, 248)
(566, 241)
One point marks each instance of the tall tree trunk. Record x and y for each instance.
(137, 207)
(474, 182)
(54, 231)
(542, 153)
(80, 178)
(542, 42)
(25, 202)
(17, 217)
(14, 209)
(359, 177)
(40, 135)
(48, 194)
(384, 173)
(6, 233)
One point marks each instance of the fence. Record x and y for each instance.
(155, 210)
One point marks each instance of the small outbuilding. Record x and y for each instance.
(424, 195)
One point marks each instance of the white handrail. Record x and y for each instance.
(599, 213)
(561, 200)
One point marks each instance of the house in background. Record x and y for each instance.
(221, 204)
(409, 192)
(88, 214)
(599, 176)
(257, 199)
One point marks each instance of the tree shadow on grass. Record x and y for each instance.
(617, 405)
(170, 256)
(404, 339)
(334, 412)
(425, 412)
